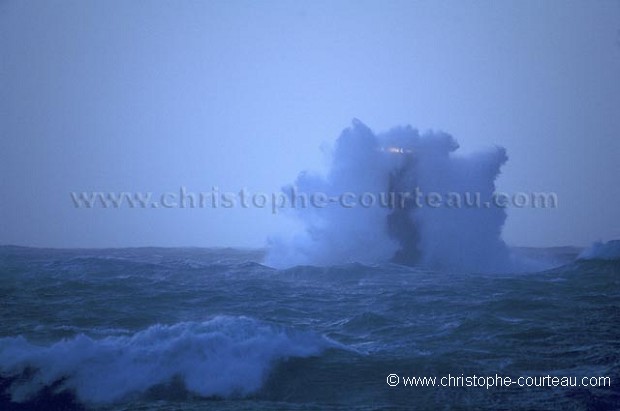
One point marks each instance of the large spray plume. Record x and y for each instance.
(401, 167)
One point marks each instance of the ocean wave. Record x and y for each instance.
(395, 164)
(602, 251)
(222, 357)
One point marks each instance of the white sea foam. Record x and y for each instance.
(602, 251)
(225, 356)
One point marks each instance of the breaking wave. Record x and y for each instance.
(400, 161)
(225, 356)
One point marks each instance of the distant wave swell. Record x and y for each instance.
(609, 251)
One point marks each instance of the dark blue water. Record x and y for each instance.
(214, 329)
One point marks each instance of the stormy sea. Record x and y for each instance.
(201, 329)
(404, 306)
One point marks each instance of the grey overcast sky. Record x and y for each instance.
(154, 95)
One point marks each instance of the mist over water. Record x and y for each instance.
(452, 236)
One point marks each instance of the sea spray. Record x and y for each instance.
(456, 235)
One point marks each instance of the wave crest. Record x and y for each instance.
(225, 356)
(602, 251)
